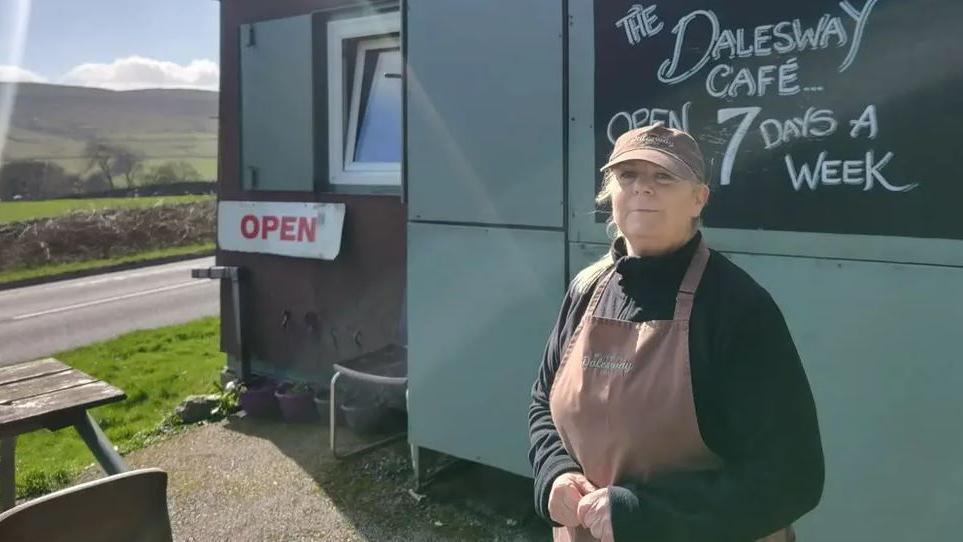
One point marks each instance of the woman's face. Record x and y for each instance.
(654, 209)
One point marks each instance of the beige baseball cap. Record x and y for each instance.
(672, 149)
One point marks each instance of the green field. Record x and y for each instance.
(156, 368)
(51, 270)
(15, 211)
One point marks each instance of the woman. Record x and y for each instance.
(671, 403)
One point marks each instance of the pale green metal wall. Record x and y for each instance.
(880, 343)
(481, 302)
(486, 246)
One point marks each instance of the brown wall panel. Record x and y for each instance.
(335, 309)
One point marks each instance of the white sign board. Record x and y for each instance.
(302, 230)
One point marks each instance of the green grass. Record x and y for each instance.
(15, 211)
(57, 269)
(156, 368)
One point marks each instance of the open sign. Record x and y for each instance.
(286, 228)
(304, 230)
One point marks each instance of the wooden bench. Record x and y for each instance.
(48, 394)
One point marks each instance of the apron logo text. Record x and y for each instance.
(606, 362)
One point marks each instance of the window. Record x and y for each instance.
(364, 101)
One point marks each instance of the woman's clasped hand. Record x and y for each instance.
(575, 502)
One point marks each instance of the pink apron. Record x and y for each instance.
(622, 397)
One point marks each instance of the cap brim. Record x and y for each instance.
(674, 165)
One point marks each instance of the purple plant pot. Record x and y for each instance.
(258, 399)
(298, 406)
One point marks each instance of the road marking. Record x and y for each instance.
(77, 283)
(135, 275)
(110, 300)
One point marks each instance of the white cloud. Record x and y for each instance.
(10, 74)
(137, 72)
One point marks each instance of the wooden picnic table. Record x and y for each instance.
(48, 394)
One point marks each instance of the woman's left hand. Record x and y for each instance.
(595, 514)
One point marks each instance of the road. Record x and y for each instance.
(40, 320)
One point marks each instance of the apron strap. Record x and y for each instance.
(597, 294)
(690, 282)
(589, 313)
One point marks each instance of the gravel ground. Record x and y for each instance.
(244, 479)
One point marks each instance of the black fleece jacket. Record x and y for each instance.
(753, 403)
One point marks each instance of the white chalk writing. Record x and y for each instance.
(701, 42)
(813, 123)
(640, 22)
(865, 121)
(723, 115)
(747, 83)
(861, 17)
(866, 172)
(782, 37)
(623, 121)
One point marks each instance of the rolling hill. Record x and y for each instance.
(53, 122)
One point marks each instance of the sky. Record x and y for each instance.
(115, 44)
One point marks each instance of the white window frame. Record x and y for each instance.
(375, 27)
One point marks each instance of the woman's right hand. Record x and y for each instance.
(567, 490)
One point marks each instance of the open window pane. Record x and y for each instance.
(373, 141)
(365, 101)
(379, 130)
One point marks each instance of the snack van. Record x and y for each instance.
(422, 175)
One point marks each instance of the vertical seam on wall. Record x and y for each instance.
(565, 143)
(404, 103)
(239, 109)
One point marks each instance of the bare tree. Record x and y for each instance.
(103, 156)
(129, 164)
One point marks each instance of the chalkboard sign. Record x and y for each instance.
(818, 116)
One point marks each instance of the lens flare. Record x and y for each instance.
(14, 16)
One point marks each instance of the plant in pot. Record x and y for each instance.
(257, 397)
(228, 397)
(296, 401)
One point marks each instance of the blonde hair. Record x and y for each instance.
(587, 276)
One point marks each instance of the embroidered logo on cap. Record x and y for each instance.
(683, 156)
(652, 140)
